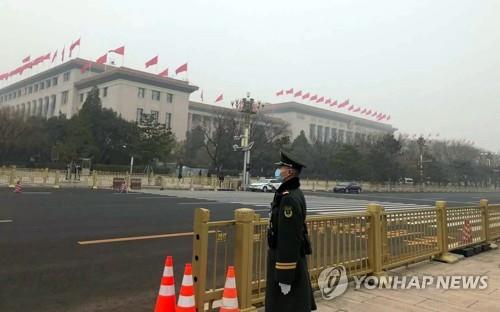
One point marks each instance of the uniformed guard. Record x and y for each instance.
(288, 285)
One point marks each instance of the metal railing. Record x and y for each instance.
(363, 242)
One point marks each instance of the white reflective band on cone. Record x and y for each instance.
(168, 271)
(230, 302)
(231, 283)
(186, 302)
(166, 290)
(187, 280)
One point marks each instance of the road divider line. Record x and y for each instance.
(6, 221)
(154, 197)
(135, 238)
(201, 203)
(37, 193)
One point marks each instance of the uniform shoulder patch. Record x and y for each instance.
(288, 211)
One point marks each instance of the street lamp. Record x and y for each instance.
(248, 107)
(131, 159)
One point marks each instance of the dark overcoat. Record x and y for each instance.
(286, 259)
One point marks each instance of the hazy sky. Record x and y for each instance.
(433, 65)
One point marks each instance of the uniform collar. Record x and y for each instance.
(289, 185)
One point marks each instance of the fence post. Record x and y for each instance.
(200, 255)
(375, 243)
(442, 233)
(45, 175)
(243, 256)
(483, 203)
(163, 183)
(12, 176)
(486, 223)
(94, 179)
(56, 179)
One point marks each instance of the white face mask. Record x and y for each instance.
(277, 175)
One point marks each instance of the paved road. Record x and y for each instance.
(50, 260)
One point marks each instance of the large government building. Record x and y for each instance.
(63, 89)
(131, 93)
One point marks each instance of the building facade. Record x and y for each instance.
(62, 90)
(325, 125)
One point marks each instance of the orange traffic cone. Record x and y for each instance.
(230, 296)
(18, 188)
(166, 296)
(186, 296)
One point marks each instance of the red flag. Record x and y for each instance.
(4, 76)
(351, 107)
(369, 112)
(281, 92)
(290, 91)
(86, 67)
(321, 99)
(103, 59)
(120, 50)
(74, 45)
(152, 61)
(165, 74)
(37, 61)
(46, 57)
(314, 97)
(25, 66)
(182, 68)
(219, 98)
(306, 96)
(374, 114)
(27, 59)
(344, 104)
(62, 55)
(328, 101)
(298, 93)
(54, 56)
(333, 103)
(364, 111)
(357, 109)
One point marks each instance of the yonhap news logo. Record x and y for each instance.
(333, 282)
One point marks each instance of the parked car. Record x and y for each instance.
(407, 181)
(347, 187)
(265, 185)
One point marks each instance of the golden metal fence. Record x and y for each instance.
(363, 242)
(493, 212)
(465, 226)
(410, 235)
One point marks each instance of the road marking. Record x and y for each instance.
(37, 193)
(153, 197)
(382, 197)
(133, 238)
(6, 221)
(202, 203)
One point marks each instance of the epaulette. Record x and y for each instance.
(285, 193)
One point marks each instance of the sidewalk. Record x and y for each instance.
(429, 299)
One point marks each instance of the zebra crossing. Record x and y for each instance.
(319, 205)
(329, 205)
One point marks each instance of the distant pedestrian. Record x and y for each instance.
(68, 171)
